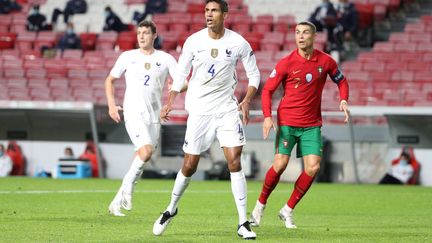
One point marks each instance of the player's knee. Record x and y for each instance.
(188, 169)
(145, 153)
(313, 170)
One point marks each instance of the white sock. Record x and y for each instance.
(287, 209)
(131, 178)
(180, 185)
(239, 190)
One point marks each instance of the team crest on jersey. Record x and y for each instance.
(214, 52)
(308, 77)
(147, 65)
(228, 52)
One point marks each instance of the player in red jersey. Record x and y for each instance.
(303, 74)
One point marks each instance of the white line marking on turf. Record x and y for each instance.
(109, 191)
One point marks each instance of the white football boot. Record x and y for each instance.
(286, 215)
(246, 232)
(114, 209)
(162, 222)
(257, 214)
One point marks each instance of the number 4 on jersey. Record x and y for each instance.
(212, 70)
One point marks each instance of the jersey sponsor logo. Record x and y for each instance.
(147, 65)
(308, 77)
(273, 73)
(337, 77)
(296, 71)
(228, 52)
(214, 52)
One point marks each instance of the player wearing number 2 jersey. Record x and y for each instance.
(213, 109)
(145, 70)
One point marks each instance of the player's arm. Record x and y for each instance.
(254, 77)
(179, 79)
(276, 77)
(116, 72)
(342, 83)
(113, 109)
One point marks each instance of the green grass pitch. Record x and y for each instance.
(48, 210)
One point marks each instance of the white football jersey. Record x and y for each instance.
(145, 78)
(213, 81)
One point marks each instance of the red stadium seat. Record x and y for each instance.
(241, 23)
(72, 54)
(7, 40)
(284, 23)
(88, 41)
(25, 40)
(45, 39)
(106, 40)
(263, 24)
(180, 22)
(162, 22)
(127, 40)
(35, 73)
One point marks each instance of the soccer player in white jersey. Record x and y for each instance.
(146, 70)
(213, 109)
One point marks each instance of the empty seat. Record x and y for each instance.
(127, 40)
(72, 54)
(25, 40)
(88, 41)
(263, 23)
(45, 39)
(106, 40)
(7, 40)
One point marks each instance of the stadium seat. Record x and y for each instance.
(180, 22)
(45, 39)
(7, 40)
(263, 24)
(127, 40)
(35, 73)
(162, 22)
(25, 40)
(106, 40)
(88, 41)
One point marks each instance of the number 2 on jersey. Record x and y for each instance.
(212, 70)
(147, 78)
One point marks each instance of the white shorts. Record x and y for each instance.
(202, 129)
(141, 131)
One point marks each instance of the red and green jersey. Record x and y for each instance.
(303, 82)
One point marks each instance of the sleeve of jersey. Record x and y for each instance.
(183, 67)
(249, 63)
(342, 83)
(172, 66)
(272, 83)
(119, 67)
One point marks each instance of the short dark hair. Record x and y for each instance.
(148, 24)
(310, 24)
(222, 3)
(406, 154)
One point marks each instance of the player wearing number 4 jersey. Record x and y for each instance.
(213, 109)
(303, 74)
(146, 70)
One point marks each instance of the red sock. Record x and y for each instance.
(301, 186)
(270, 182)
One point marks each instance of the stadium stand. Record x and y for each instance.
(394, 72)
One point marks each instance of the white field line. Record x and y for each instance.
(112, 191)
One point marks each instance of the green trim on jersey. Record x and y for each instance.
(308, 140)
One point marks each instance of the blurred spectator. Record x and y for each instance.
(151, 7)
(113, 22)
(90, 155)
(5, 162)
(348, 18)
(404, 170)
(36, 21)
(69, 40)
(8, 6)
(324, 16)
(72, 7)
(18, 160)
(68, 153)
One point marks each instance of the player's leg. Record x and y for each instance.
(310, 148)
(231, 137)
(144, 136)
(284, 144)
(195, 143)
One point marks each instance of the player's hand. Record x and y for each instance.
(344, 107)
(114, 113)
(164, 114)
(244, 108)
(267, 125)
